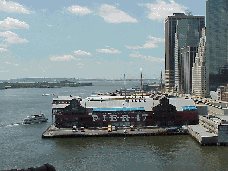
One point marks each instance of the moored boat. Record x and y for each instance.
(35, 119)
(45, 94)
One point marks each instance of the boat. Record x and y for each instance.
(45, 94)
(101, 111)
(35, 119)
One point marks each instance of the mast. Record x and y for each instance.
(124, 87)
(141, 82)
(161, 80)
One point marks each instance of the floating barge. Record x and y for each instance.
(54, 132)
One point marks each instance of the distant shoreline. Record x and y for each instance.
(14, 80)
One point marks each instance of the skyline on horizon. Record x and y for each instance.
(57, 39)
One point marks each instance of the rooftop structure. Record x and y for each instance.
(223, 93)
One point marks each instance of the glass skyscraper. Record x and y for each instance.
(217, 42)
(188, 33)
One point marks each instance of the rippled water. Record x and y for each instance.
(23, 147)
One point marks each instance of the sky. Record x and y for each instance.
(86, 39)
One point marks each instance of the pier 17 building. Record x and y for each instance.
(171, 23)
(217, 42)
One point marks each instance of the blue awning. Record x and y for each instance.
(189, 107)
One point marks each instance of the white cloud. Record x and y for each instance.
(78, 10)
(3, 50)
(16, 64)
(63, 58)
(82, 53)
(161, 9)
(5, 71)
(113, 15)
(2, 45)
(149, 44)
(11, 23)
(8, 63)
(108, 51)
(155, 39)
(81, 64)
(13, 7)
(49, 25)
(12, 37)
(149, 58)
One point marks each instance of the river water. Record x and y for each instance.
(23, 147)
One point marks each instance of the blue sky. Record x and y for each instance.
(86, 39)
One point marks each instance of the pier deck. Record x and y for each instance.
(53, 132)
(202, 135)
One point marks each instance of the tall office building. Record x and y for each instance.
(187, 37)
(217, 42)
(188, 54)
(170, 30)
(200, 74)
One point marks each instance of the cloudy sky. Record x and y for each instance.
(86, 39)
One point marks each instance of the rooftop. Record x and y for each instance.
(202, 131)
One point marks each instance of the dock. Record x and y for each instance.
(53, 132)
(211, 130)
(205, 137)
(197, 132)
(202, 135)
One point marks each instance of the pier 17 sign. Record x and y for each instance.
(119, 117)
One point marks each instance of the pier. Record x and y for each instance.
(53, 132)
(211, 130)
(197, 132)
(202, 135)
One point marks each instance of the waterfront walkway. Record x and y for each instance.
(53, 132)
